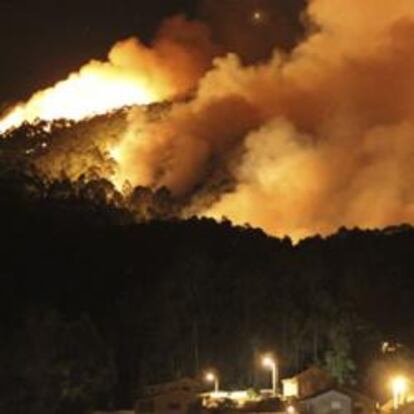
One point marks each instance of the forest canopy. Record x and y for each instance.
(156, 298)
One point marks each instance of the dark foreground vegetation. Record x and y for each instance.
(94, 305)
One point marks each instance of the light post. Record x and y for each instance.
(399, 387)
(269, 362)
(211, 377)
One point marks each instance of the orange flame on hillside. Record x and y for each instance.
(97, 89)
(134, 74)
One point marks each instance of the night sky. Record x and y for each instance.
(42, 41)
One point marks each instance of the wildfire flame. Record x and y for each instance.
(133, 74)
(95, 90)
(312, 140)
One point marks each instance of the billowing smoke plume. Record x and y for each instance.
(315, 139)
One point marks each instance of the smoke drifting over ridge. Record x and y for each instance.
(326, 131)
(314, 139)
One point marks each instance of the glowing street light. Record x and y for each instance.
(211, 377)
(290, 409)
(399, 387)
(269, 362)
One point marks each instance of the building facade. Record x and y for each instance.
(327, 402)
(169, 398)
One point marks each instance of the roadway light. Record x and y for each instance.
(290, 409)
(399, 387)
(211, 377)
(269, 362)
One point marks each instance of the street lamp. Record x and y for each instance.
(269, 362)
(290, 409)
(399, 387)
(211, 377)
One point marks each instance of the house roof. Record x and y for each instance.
(325, 391)
(184, 380)
(179, 385)
(354, 395)
(313, 370)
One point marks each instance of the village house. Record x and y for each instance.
(327, 402)
(310, 392)
(169, 398)
(306, 383)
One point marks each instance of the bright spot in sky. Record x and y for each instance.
(258, 16)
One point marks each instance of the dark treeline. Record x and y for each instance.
(94, 305)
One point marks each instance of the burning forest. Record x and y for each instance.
(313, 138)
(187, 186)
